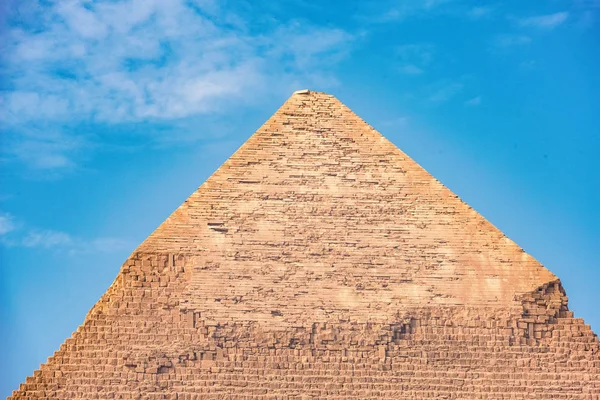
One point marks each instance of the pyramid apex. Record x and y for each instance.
(302, 91)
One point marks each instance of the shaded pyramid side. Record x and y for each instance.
(320, 261)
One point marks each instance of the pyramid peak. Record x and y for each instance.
(302, 91)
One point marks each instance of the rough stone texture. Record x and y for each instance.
(321, 262)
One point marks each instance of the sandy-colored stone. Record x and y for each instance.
(321, 261)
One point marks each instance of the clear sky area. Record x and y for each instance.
(113, 112)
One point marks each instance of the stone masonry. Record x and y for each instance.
(320, 261)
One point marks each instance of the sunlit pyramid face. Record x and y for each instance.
(320, 261)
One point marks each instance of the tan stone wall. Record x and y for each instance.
(318, 198)
(141, 341)
(321, 261)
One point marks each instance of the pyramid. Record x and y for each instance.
(320, 261)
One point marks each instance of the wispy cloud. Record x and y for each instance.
(6, 224)
(480, 12)
(399, 122)
(510, 40)
(475, 101)
(411, 69)
(421, 53)
(13, 234)
(128, 61)
(527, 65)
(415, 57)
(548, 21)
(61, 241)
(443, 92)
(48, 239)
(45, 149)
(396, 11)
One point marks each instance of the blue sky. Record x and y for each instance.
(113, 112)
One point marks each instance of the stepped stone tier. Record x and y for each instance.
(320, 261)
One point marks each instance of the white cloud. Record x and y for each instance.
(306, 47)
(399, 122)
(81, 20)
(421, 53)
(444, 92)
(479, 12)
(435, 3)
(44, 149)
(106, 245)
(509, 40)
(6, 224)
(391, 15)
(545, 21)
(46, 239)
(137, 59)
(411, 70)
(397, 11)
(47, 151)
(140, 60)
(61, 241)
(475, 101)
(415, 57)
(527, 65)
(14, 235)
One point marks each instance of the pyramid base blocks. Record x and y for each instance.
(140, 341)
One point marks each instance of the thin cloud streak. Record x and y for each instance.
(510, 40)
(46, 239)
(399, 11)
(411, 70)
(480, 12)
(475, 101)
(445, 92)
(6, 224)
(14, 233)
(549, 21)
(415, 57)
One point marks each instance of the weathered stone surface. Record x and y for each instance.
(322, 262)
